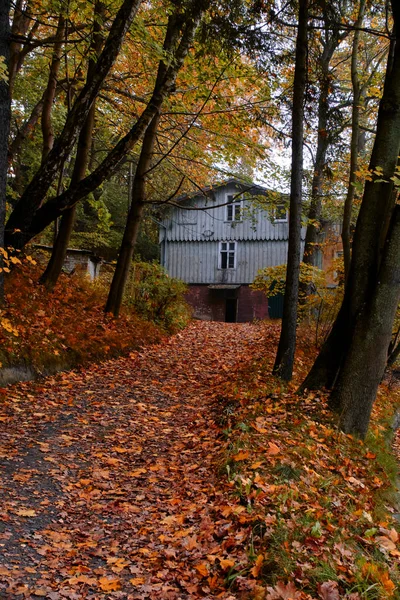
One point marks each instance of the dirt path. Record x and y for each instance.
(108, 485)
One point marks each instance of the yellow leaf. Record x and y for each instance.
(137, 472)
(25, 512)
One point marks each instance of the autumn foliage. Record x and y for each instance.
(65, 327)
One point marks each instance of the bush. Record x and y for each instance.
(317, 302)
(156, 296)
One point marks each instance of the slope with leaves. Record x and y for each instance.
(119, 484)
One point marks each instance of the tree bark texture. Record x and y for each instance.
(358, 381)
(287, 343)
(378, 202)
(5, 115)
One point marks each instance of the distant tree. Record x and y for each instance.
(287, 342)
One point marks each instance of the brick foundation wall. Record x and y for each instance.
(210, 305)
(252, 304)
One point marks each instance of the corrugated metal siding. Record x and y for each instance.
(197, 262)
(210, 224)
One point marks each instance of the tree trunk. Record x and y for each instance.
(314, 214)
(378, 202)
(125, 256)
(357, 384)
(50, 92)
(66, 227)
(287, 343)
(20, 24)
(5, 115)
(354, 144)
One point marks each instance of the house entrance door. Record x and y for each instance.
(231, 310)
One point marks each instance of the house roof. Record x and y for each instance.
(209, 223)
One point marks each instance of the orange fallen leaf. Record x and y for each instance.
(137, 580)
(255, 571)
(109, 585)
(241, 456)
(202, 569)
(226, 563)
(273, 449)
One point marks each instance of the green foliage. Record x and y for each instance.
(156, 296)
(272, 280)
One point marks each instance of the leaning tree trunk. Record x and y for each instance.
(378, 202)
(138, 196)
(287, 343)
(4, 127)
(66, 227)
(357, 384)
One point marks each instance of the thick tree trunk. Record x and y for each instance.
(357, 384)
(378, 202)
(4, 127)
(354, 144)
(66, 227)
(287, 342)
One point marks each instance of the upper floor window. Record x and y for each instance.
(233, 210)
(227, 255)
(280, 214)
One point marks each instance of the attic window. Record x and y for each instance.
(280, 214)
(227, 255)
(233, 210)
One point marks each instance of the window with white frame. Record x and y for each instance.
(280, 214)
(234, 209)
(227, 255)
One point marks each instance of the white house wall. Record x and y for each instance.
(210, 224)
(197, 262)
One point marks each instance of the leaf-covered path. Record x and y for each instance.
(108, 485)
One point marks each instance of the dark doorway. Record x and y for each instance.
(231, 310)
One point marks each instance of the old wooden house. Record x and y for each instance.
(218, 248)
